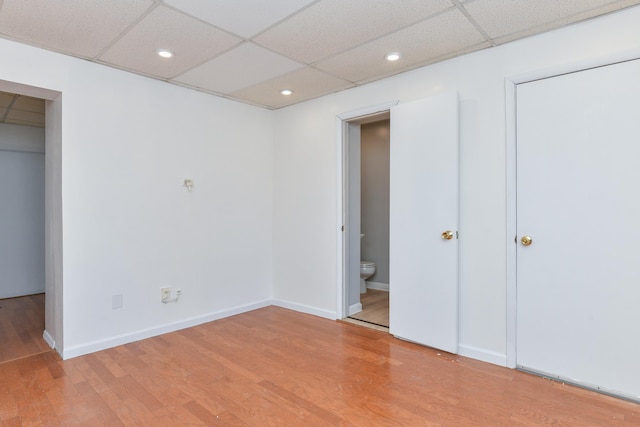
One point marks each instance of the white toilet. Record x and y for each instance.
(367, 268)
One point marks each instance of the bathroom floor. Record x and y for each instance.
(375, 308)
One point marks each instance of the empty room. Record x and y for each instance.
(319, 212)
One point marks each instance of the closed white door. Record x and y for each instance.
(578, 173)
(423, 266)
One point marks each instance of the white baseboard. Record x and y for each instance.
(94, 346)
(355, 308)
(378, 286)
(483, 355)
(49, 339)
(305, 309)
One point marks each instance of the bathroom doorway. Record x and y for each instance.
(374, 223)
(366, 237)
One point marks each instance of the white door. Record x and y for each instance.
(423, 266)
(578, 282)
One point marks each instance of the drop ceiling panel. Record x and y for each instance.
(242, 17)
(26, 103)
(79, 27)
(442, 35)
(332, 26)
(502, 17)
(192, 41)
(25, 118)
(238, 68)
(5, 99)
(307, 83)
(21, 110)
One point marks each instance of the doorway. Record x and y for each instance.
(359, 306)
(53, 314)
(369, 173)
(576, 224)
(22, 242)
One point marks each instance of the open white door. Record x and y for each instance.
(423, 243)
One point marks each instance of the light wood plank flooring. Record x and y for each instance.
(21, 327)
(275, 367)
(375, 308)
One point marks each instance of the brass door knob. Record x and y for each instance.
(526, 240)
(447, 235)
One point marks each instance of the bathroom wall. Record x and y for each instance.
(375, 198)
(22, 219)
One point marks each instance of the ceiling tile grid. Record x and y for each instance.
(192, 41)
(307, 83)
(249, 50)
(332, 26)
(245, 18)
(237, 69)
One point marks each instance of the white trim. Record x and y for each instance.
(340, 220)
(581, 384)
(32, 91)
(305, 309)
(366, 111)
(98, 345)
(576, 66)
(49, 339)
(511, 173)
(378, 286)
(512, 247)
(342, 120)
(355, 308)
(482, 355)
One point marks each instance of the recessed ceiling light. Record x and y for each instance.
(392, 56)
(165, 53)
(286, 92)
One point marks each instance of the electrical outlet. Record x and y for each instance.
(165, 294)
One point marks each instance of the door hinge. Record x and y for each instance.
(342, 228)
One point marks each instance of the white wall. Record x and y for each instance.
(21, 210)
(306, 167)
(375, 198)
(129, 226)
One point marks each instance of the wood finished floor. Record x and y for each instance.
(275, 367)
(375, 307)
(21, 327)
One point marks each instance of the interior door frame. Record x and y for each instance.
(343, 121)
(511, 173)
(53, 329)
